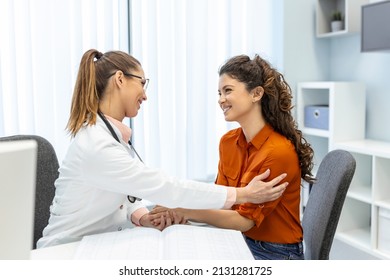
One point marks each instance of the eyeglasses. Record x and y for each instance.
(144, 82)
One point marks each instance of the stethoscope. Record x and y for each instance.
(132, 199)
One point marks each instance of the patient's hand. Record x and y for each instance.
(173, 216)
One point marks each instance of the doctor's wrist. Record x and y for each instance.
(137, 215)
(242, 195)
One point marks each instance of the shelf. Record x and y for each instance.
(333, 34)
(359, 238)
(366, 146)
(360, 192)
(385, 203)
(315, 132)
(380, 254)
(354, 226)
(351, 11)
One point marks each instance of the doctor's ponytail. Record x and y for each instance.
(85, 101)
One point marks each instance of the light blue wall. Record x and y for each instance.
(348, 63)
(307, 58)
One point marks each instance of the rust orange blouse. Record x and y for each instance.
(277, 221)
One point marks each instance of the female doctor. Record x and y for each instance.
(100, 177)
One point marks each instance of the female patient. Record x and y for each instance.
(259, 99)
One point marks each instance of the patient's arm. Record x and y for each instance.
(228, 219)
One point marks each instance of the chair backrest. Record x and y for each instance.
(325, 202)
(47, 173)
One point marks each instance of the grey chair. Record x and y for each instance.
(47, 173)
(325, 202)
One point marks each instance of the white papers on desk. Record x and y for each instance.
(180, 242)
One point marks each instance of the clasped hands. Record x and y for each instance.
(161, 217)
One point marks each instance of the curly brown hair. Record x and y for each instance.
(276, 103)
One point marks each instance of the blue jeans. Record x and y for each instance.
(275, 251)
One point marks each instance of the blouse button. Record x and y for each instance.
(121, 207)
(119, 228)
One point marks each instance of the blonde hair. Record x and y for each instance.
(94, 72)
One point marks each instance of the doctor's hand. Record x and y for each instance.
(258, 191)
(159, 220)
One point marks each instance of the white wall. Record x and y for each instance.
(348, 63)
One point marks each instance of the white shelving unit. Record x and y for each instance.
(369, 193)
(342, 117)
(351, 10)
(346, 101)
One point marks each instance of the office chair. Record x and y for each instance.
(325, 202)
(47, 173)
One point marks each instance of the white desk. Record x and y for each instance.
(59, 252)
(175, 242)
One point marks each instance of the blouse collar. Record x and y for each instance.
(124, 129)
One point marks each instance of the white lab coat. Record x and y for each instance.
(95, 178)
